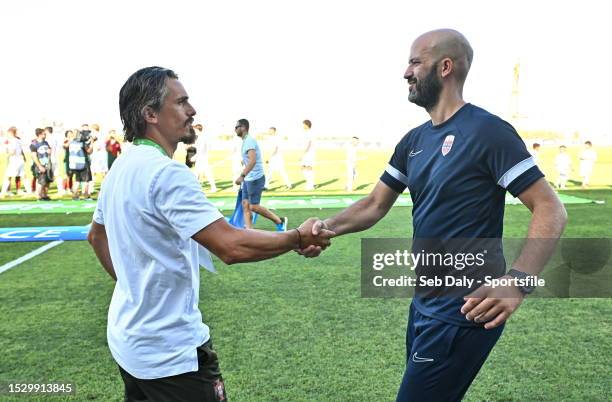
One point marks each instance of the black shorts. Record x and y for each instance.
(204, 385)
(81, 176)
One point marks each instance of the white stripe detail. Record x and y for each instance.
(29, 255)
(397, 174)
(515, 171)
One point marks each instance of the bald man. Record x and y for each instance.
(458, 167)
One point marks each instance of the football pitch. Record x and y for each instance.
(295, 329)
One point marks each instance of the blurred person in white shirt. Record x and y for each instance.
(16, 162)
(308, 158)
(535, 152)
(99, 158)
(587, 157)
(351, 162)
(563, 163)
(202, 165)
(276, 163)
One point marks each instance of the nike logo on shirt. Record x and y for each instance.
(412, 153)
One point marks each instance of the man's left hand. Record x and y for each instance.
(239, 180)
(492, 305)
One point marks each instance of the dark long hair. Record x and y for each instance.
(145, 88)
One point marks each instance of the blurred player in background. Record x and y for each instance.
(99, 158)
(351, 162)
(308, 157)
(113, 148)
(202, 164)
(535, 152)
(41, 158)
(56, 154)
(276, 163)
(563, 163)
(587, 157)
(16, 162)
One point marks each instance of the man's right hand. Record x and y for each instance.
(313, 236)
(317, 228)
(42, 169)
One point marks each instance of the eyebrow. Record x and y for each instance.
(182, 99)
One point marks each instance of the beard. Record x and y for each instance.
(190, 138)
(427, 91)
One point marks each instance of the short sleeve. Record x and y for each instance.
(33, 148)
(249, 144)
(507, 158)
(394, 175)
(178, 197)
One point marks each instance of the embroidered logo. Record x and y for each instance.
(448, 144)
(412, 153)
(219, 390)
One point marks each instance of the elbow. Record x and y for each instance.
(91, 238)
(230, 257)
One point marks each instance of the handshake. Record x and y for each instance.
(314, 237)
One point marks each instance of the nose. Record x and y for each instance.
(192, 112)
(408, 73)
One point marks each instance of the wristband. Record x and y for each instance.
(299, 238)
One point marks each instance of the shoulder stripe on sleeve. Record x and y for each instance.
(515, 171)
(396, 174)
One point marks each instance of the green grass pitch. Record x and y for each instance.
(294, 329)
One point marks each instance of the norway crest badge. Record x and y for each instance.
(448, 144)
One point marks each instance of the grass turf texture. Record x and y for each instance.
(292, 329)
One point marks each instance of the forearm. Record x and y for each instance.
(547, 224)
(103, 254)
(359, 216)
(99, 242)
(255, 245)
(248, 168)
(36, 161)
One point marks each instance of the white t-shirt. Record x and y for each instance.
(588, 157)
(308, 138)
(150, 206)
(14, 148)
(201, 145)
(563, 163)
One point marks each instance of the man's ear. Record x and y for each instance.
(149, 115)
(447, 66)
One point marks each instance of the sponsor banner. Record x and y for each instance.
(48, 233)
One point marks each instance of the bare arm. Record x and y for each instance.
(308, 147)
(99, 242)
(37, 162)
(234, 245)
(547, 223)
(364, 213)
(249, 166)
(252, 160)
(495, 305)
